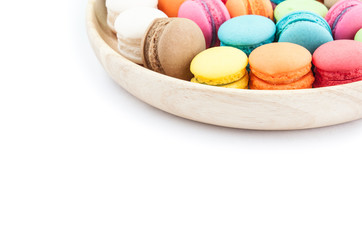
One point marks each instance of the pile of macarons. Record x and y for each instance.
(243, 44)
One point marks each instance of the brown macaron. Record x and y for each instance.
(170, 44)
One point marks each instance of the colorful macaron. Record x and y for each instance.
(289, 6)
(169, 46)
(247, 32)
(221, 66)
(358, 36)
(280, 66)
(115, 7)
(170, 7)
(130, 35)
(345, 19)
(276, 2)
(208, 15)
(250, 7)
(338, 62)
(304, 28)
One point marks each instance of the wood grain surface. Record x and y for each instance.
(247, 109)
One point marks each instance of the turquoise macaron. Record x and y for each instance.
(247, 32)
(304, 28)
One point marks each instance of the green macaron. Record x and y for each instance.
(289, 6)
(358, 36)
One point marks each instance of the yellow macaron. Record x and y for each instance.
(221, 66)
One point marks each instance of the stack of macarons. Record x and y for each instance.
(244, 44)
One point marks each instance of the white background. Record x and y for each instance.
(80, 158)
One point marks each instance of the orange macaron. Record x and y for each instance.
(281, 66)
(170, 7)
(250, 7)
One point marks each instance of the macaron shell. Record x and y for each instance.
(170, 7)
(320, 83)
(247, 32)
(164, 52)
(339, 55)
(280, 62)
(115, 7)
(324, 78)
(140, 18)
(289, 6)
(239, 84)
(199, 11)
(237, 7)
(262, 8)
(250, 7)
(304, 82)
(195, 11)
(349, 24)
(337, 8)
(129, 36)
(179, 43)
(219, 65)
(130, 49)
(306, 34)
(304, 28)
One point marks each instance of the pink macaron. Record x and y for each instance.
(338, 62)
(345, 18)
(208, 14)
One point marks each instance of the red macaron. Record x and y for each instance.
(338, 62)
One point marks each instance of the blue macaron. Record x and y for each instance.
(277, 1)
(247, 32)
(304, 28)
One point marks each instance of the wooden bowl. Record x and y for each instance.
(247, 109)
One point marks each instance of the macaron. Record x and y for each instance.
(338, 62)
(208, 15)
(280, 66)
(276, 2)
(358, 36)
(131, 26)
(221, 66)
(247, 32)
(345, 19)
(169, 46)
(289, 6)
(250, 7)
(304, 28)
(170, 7)
(115, 7)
